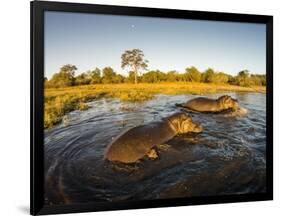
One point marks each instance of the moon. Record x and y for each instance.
(133, 26)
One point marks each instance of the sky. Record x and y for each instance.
(95, 40)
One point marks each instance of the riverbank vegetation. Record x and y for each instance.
(65, 91)
(60, 101)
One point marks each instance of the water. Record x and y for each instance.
(228, 157)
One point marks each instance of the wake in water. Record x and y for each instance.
(227, 158)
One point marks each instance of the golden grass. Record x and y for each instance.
(60, 101)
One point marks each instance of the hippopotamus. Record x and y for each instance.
(137, 142)
(203, 104)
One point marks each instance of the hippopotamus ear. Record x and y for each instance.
(185, 116)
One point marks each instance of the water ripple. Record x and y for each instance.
(227, 158)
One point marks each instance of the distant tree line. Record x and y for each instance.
(66, 77)
(135, 62)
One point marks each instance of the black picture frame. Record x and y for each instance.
(37, 105)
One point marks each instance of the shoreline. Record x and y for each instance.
(60, 101)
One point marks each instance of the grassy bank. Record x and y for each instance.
(60, 101)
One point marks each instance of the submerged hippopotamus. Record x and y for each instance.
(202, 104)
(137, 142)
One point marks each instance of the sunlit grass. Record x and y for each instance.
(60, 101)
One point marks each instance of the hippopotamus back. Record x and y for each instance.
(202, 104)
(136, 142)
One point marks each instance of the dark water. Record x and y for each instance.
(227, 158)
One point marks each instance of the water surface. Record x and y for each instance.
(228, 157)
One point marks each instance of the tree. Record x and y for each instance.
(192, 74)
(108, 75)
(118, 78)
(154, 76)
(83, 79)
(207, 76)
(64, 78)
(219, 78)
(95, 76)
(243, 79)
(262, 78)
(134, 59)
(244, 73)
(172, 76)
(131, 77)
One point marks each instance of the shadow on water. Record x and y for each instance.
(227, 158)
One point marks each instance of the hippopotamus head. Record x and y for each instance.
(182, 123)
(227, 102)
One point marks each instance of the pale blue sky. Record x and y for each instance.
(95, 40)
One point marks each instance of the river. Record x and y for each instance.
(228, 157)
